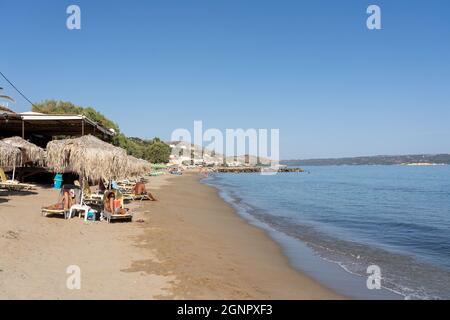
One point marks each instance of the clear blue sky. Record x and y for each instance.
(310, 68)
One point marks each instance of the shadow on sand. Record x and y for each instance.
(7, 193)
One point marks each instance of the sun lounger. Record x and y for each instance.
(126, 190)
(108, 216)
(157, 173)
(47, 212)
(90, 198)
(13, 185)
(95, 198)
(126, 184)
(129, 195)
(135, 197)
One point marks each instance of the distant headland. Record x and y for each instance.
(417, 159)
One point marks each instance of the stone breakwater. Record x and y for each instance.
(255, 169)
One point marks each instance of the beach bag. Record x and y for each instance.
(90, 215)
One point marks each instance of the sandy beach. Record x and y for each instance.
(188, 245)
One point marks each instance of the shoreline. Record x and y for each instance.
(190, 244)
(301, 255)
(233, 259)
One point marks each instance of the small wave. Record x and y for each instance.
(402, 275)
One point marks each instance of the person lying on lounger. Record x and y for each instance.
(139, 189)
(66, 200)
(112, 205)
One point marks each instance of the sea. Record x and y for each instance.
(367, 232)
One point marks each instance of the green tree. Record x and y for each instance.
(65, 107)
(157, 152)
(154, 150)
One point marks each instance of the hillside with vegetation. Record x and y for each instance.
(153, 150)
(374, 160)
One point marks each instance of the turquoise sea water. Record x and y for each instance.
(395, 217)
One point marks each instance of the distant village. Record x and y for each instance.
(187, 154)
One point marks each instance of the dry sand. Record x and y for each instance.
(191, 245)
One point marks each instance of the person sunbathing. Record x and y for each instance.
(65, 201)
(140, 189)
(112, 205)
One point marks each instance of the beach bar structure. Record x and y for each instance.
(47, 126)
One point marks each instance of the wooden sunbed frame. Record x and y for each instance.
(110, 216)
(16, 186)
(45, 212)
(13, 185)
(133, 197)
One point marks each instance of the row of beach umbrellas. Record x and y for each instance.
(87, 156)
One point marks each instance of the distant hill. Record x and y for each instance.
(374, 160)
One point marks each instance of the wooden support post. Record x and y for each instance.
(82, 127)
(23, 129)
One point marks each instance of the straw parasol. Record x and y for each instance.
(10, 156)
(89, 157)
(138, 167)
(31, 153)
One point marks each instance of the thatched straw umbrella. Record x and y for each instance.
(10, 156)
(138, 167)
(89, 157)
(31, 153)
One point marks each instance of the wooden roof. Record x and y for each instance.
(17, 124)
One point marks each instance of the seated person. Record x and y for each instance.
(112, 205)
(66, 200)
(139, 189)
